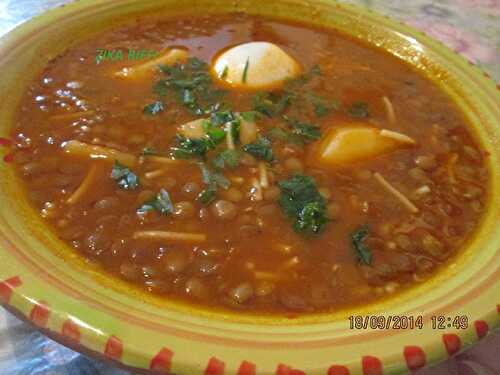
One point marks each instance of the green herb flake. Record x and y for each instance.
(303, 78)
(207, 196)
(125, 179)
(285, 136)
(160, 88)
(245, 71)
(191, 84)
(301, 201)
(229, 120)
(215, 129)
(321, 106)
(234, 128)
(161, 203)
(272, 104)
(250, 116)
(315, 70)
(222, 117)
(359, 110)
(262, 103)
(321, 110)
(214, 134)
(188, 148)
(213, 180)
(260, 149)
(363, 252)
(227, 158)
(278, 133)
(224, 73)
(153, 108)
(312, 218)
(307, 131)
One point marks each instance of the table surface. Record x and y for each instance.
(471, 27)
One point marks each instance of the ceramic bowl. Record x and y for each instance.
(44, 282)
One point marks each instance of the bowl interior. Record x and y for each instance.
(55, 277)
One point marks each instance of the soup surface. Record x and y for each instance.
(339, 186)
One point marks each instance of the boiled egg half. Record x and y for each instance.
(255, 66)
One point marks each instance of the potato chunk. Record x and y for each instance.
(356, 142)
(248, 131)
(193, 129)
(170, 57)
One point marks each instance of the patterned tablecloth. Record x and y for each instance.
(471, 27)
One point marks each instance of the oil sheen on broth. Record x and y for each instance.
(348, 180)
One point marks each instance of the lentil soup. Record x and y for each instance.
(246, 163)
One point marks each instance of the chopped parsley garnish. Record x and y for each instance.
(245, 71)
(250, 116)
(275, 104)
(228, 119)
(315, 70)
(321, 106)
(191, 84)
(320, 109)
(311, 218)
(363, 252)
(213, 180)
(308, 132)
(271, 104)
(188, 148)
(227, 158)
(222, 117)
(285, 136)
(234, 127)
(278, 133)
(161, 203)
(301, 201)
(207, 195)
(304, 78)
(299, 133)
(215, 129)
(359, 110)
(189, 100)
(160, 88)
(224, 72)
(124, 177)
(210, 177)
(153, 108)
(260, 149)
(214, 134)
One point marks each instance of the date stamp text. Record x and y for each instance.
(386, 322)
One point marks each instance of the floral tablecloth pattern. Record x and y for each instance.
(470, 27)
